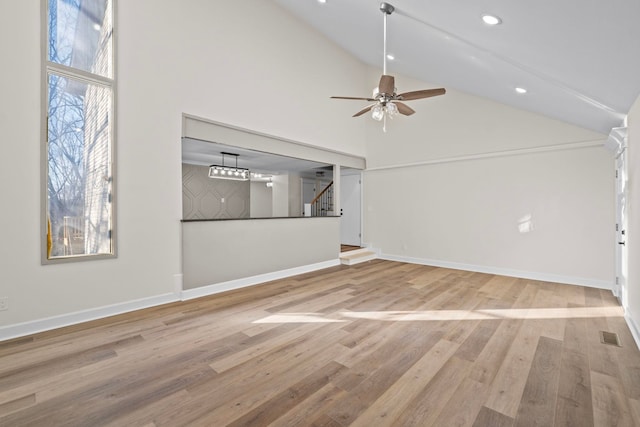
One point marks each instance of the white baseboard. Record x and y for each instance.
(32, 327)
(633, 327)
(254, 280)
(544, 277)
(55, 322)
(46, 324)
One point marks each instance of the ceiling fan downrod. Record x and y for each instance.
(386, 9)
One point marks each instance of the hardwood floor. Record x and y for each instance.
(377, 344)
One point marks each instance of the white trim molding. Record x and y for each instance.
(55, 322)
(254, 280)
(633, 327)
(543, 277)
(495, 154)
(28, 328)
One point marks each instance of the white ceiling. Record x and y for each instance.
(578, 59)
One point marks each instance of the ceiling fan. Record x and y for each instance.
(386, 102)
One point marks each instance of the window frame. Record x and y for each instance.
(64, 71)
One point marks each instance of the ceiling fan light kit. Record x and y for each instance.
(491, 19)
(386, 102)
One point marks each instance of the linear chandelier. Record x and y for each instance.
(229, 172)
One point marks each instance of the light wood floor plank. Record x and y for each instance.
(538, 404)
(377, 344)
(392, 403)
(472, 393)
(390, 369)
(506, 389)
(311, 408)
(286, 400)
(490, 418)
(611, 408)
(17, 404)
(425, 408)
(634, 405)
(574, 405)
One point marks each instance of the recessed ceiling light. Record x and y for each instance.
(491, 19)
(322, 1)
(521, 90)
(390, 57)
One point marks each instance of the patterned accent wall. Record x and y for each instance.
(202, 196)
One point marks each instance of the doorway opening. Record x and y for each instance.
(617, 144)
(350, 209)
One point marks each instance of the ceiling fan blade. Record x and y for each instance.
(419, 94)
(387, 85)
(404, 108)
(361, 112)
(352, 97)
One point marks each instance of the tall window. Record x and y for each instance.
(78, 157)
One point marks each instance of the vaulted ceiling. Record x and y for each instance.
(579, 60)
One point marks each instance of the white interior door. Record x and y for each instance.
(350, 209)
(620, 289)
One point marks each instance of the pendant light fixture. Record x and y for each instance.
(229, 172)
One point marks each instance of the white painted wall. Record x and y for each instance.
(244, 63)
(295, 195)
(261, 200)
(280, 194)
(632, 311)
(467, 213)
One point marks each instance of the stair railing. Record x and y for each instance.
(322, 204)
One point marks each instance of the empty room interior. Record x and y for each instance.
(320, 213)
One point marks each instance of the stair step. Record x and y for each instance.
(357, 256)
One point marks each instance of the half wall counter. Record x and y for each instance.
(220, 251)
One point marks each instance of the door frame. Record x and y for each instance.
(621, 256)
(359, 174)
(617, 144)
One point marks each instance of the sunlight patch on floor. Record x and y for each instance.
(510, 313)
(439, 315)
